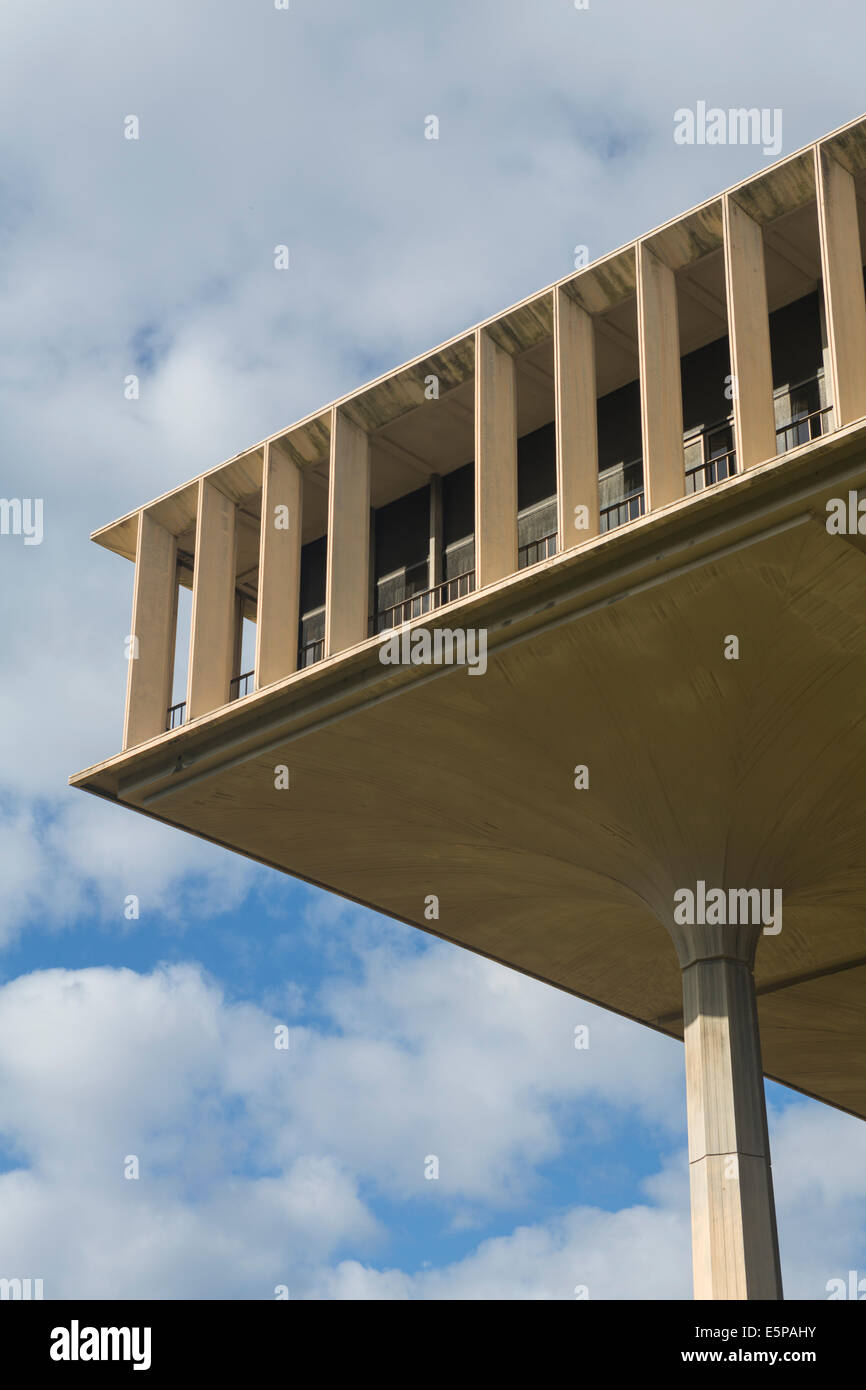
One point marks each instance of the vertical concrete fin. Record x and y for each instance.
(844, 297)
(277, 612)
(576, 421)
(154, 618)
(661, 399)
(348, 565)
(749, 336)
(495, 461)
(212, 633)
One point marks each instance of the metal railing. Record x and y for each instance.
(175, 716)
(241, 685)
(618, 513)
(310, 652)
(534, 551)
(802, 429)
(715, 463)
(426, 602)
(714, 470)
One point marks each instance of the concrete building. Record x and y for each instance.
(653, 797)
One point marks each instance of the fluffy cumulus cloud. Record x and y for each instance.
(106, 1069)
(260, 1166)
(585, 1254)
(80, 860)
(252, 1159)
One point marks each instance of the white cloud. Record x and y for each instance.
(467, 1061)
(84, 860)
(636, 1253)
(100, 1065)
(253, 1161)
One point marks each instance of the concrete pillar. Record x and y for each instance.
(749, 336)
(154, 619)
(495, 461)
(277, 612)
(348, 566)
(576, 421)
(212, 635)
(844, 298)
(661, 395)
(735, 1249)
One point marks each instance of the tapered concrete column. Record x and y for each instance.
(348, 571)
(495, 461)
(735, 1249)
(279, 568)
(749, 336)
(212, 638)
(576, 421)
(154, 619)
(661, 393)
(844, 298)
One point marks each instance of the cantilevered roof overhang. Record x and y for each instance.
(412, 781)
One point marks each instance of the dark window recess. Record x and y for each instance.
(311, 642)
(313, 560)
(705, 378)
(458, 558)
(708, 435)
(800, 400)
(620, 464)
(709, 456)
(619, 430)
(536, 496)
(620, 494)
(458, 522)
(402, 548)
(536, 535)
(458, 504)
(801, 415)
(536, 467)
(537, 522)
(795, 341)
(708, 431)
(311, 632)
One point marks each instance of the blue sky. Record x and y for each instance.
(154, 1037)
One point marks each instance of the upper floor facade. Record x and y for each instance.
(728, 337)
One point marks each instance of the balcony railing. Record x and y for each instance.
(241, 685)
(713, 470)
(426, 602)
(310, 652)
(717, 456)
(802, 429)
(175, 716)
(535, 551)
(620, 512)
(718, 461)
